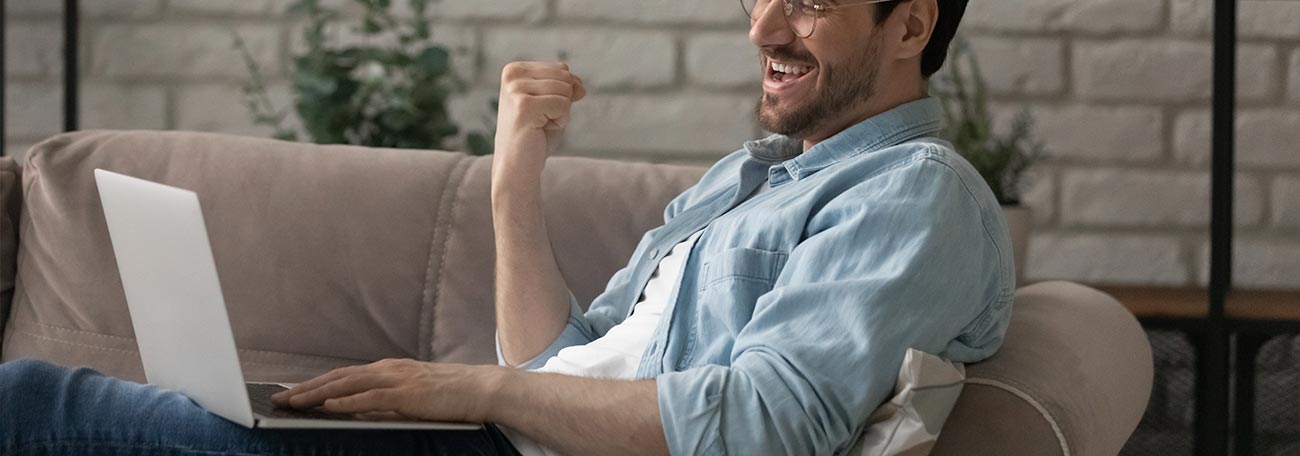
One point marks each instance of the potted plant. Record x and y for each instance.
(1001, 158)
(392, 95)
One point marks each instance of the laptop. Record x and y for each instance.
(174, 297)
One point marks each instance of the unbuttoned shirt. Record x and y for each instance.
(796, 307)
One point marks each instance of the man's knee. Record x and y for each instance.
(23, 380)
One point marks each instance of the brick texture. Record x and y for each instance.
(34, 49)
(1119, 91)
(1019, 65)
(709, 124)
(1107, 259)
(1149, 198)
(604, 58)
(653, 11)
(1286, 202)
(181, 51)
(1295, 75)
(722, 59)
(1267, 263)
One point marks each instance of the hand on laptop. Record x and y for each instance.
(412, 389)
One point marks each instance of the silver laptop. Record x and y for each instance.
(179, 314)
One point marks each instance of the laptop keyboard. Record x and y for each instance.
(259, 394)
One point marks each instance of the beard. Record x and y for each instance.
(842, 87)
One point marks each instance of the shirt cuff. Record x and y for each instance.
(575, 333)
(690, 404)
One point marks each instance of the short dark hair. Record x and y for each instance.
(950, 13)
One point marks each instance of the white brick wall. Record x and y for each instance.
(1295, 75)
(1021, 65)
(722, 59)
(605, 58)
(1149, 198)
(1286, 202)
(1120, 91)
(1108, 258)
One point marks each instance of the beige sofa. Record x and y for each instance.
(334, 255)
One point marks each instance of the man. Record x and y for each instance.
(768, 315)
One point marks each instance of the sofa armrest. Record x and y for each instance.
(1072, 378)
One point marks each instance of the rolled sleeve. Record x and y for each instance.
(576, 332)
(824, 346)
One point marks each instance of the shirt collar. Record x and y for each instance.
(898, 125)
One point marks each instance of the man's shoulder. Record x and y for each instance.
(928, 159)
(914, 156)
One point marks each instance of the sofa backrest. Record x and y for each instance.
(327, 255)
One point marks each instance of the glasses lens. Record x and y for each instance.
(803, 17)
(801, 14)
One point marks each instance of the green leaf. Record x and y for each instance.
(370, 26)
(478, 144)
(433, 61)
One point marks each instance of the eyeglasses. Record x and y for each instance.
(800, 14)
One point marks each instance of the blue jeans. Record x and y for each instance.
(51, 410)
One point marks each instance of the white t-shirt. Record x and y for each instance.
(617, 354)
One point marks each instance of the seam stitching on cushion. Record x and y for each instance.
(1051, 421)
(446, 241)
(128, 351)
(424, 346)
(18, 324)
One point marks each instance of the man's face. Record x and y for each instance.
(810, 84)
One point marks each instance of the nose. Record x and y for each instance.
(770, 27)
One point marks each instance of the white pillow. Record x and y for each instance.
(909, 423)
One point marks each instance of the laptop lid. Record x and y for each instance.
(173, 293)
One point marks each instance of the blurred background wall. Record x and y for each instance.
(1119, 90)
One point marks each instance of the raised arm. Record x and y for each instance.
(532, 299)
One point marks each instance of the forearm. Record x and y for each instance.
(532, 299)
(579, 416)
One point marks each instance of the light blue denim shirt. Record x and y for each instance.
(796, 307)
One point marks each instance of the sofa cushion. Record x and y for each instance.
(10, 206)
(324, 252)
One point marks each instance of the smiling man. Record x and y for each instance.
(769, 314)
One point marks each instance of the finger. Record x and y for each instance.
(376, 400)
(283, 396)
(543, 87)
(551, 108)
(579, 89)
(343, 387)
(535, 70)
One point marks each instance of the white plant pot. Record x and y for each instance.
(1020, 223)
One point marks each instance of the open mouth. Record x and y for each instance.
(783, 76)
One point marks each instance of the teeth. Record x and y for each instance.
(790, 69)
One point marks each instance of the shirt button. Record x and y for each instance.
(654, 253)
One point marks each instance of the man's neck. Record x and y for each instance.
(885, 99)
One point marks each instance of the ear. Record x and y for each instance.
(920, 17)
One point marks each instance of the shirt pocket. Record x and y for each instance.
(740, 264)
(731, 283)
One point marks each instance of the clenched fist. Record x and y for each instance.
(535, 102)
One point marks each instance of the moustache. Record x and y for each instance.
(788, 55)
